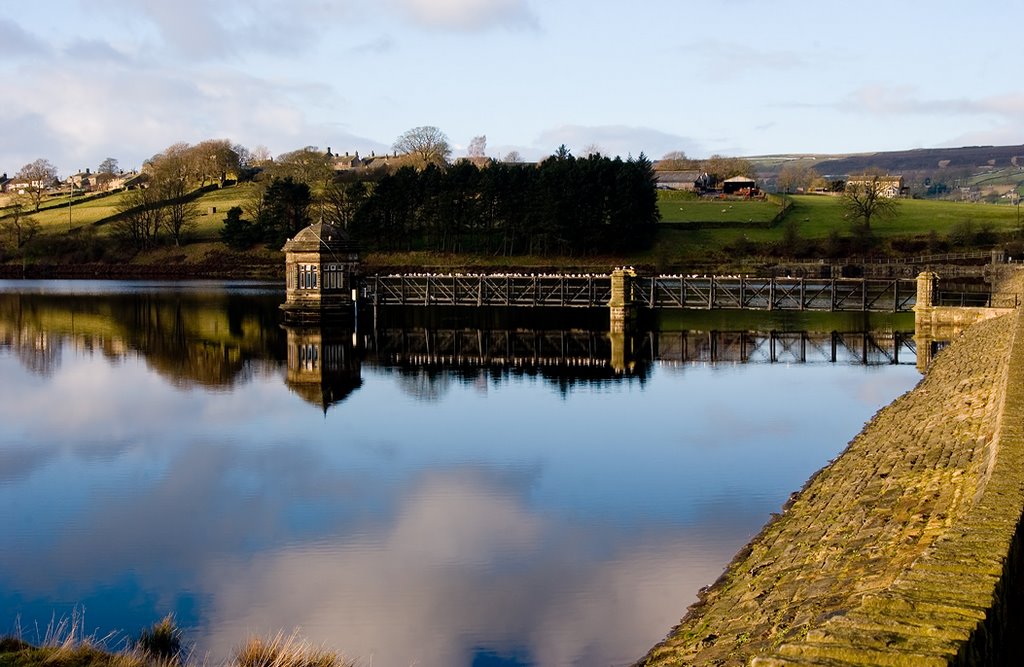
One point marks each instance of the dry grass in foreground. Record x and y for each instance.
(158, 646)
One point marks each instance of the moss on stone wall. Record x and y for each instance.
(901, 551)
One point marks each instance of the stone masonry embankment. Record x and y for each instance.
(899, 552)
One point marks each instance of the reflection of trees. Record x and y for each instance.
(424, 384)
(204, 338)
(38, 350)
(38, 353)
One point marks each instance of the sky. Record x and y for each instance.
(85, 80)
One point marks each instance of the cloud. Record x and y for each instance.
(19, 462)
(430, 567)
(469, 15)
(190, 27)
(1001, 135)
(620, 140)
(467, 565)
(904, 100)
(16, 42)
(198, 30)
(378, 46)
(166, 105)
(94, 50)
(730, 60)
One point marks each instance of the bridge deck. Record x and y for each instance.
(664, 291)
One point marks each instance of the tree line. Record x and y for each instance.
(562, 206)
(415, 199)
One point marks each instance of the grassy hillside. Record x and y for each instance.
(696, 233)
(56, 216)
(679, 207)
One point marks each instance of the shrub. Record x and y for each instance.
(282, 651)
(162, 640)
(962, 233)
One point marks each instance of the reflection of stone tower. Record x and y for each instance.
(323, 367)
(320, 267)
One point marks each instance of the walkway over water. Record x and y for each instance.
(663, 291)
(904, 551)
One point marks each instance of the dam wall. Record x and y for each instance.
(905, 550)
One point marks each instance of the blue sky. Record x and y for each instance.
(83, 80)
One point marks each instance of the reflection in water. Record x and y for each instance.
(220, 339)
(208, 338)
(467, 548)
(477, 488)
(322, 364)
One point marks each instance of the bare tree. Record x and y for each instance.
(244, 156)
(39, 176)
(307, 165)
(592, 150)
(172, 177)
(795, 176)
(260, 156)
(140, 218)
(720, 167)
(425, 144)
(106, 173)
(675, 161)
(512, 157)
(867, 197)
(172, 185)
(17, 227)
(108, 166)
(214, 160)
(477, 146)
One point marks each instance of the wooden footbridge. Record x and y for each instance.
(655, 292)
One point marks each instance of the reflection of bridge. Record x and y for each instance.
(665, 291)
(576, 348)
(868, 348)
(502, 348)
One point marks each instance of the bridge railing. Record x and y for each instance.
(744, 293)
(498, 289)
(983, 299)
(664, 291)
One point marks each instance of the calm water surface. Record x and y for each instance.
(438, 489)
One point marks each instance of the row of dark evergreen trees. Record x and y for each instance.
(562, 206)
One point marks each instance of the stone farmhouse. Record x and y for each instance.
(688, 181)
(889, 187)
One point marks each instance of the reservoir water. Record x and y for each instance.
(432, 488)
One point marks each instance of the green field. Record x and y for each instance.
(208, 226)
(816, 218)
(56, 219)
(679, 207)
(815, 222)
(81, 214)
(818, 215)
